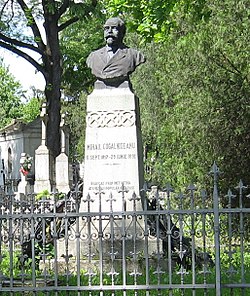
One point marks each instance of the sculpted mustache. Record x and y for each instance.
(110, 35)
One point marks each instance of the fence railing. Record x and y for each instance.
(192, 243)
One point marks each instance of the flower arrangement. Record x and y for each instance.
(25, 163)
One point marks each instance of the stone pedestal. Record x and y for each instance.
(113, 173)
(62, 173)
(62, 161)
(24, 187)
(113, 148)
(44, 164)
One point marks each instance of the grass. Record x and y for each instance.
(68, 285)
(85, 284)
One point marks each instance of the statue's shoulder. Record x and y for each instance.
(136, 55)
(130, 51)
(93, 56)
(98, 51)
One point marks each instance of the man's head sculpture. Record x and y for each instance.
(113, 63)
(114, 31)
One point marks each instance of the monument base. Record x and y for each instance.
(44, 164)
(113, 174)
(62, 173)
(113, 149)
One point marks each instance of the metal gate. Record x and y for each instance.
(192, 243)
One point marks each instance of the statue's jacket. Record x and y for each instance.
(121, 64)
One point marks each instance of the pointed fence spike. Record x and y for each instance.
(100, 191)
(168, 188)
(88, 198)
(145, 187)
(191, 187)
(230, 194)
(215, 169)
(134, 197)
(241, 186)
(203, 194)
(123, 189)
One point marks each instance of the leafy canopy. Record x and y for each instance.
(10, 97)
(195, 98)
(155, 19)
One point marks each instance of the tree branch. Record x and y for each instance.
(63, 7)
(18, 43)
(230, 62)
(32, 24)
(68, 23)
(24, 55)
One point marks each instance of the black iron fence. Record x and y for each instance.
(192, 243)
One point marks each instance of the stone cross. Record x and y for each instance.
(44, 117)
(63, 136)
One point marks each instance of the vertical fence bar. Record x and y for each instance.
(182, 249)
(146, 234)
(231, 270)
(169, 237)
(205, 270)
(112, 253)
(54, 237)
(124, 266)
(159, 237)
(215, 172)
(66, 256)
(32, 238)
(77, 200)
(11, 241)
(241, 187)
(100, 238)
(192, 189)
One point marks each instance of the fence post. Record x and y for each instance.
(215, 172)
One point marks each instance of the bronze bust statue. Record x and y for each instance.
(114, 62)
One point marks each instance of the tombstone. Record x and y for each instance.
(44, 161)
(62, 162)
(113, 147)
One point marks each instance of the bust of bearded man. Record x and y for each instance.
(113, 63)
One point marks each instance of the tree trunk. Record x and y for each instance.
(52, 62)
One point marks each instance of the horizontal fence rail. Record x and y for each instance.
(192, 243)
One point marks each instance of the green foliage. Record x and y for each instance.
(77, 41)
(10, 97)
(195, 98)
(76, 112)
(154, 279)
(193, 90)
(43, 194)
(10, 264)
(235, 260)
(156, 19)
(31, 109)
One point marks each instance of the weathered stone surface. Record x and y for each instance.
(44, 164)
(113, 150)
(62, 173)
